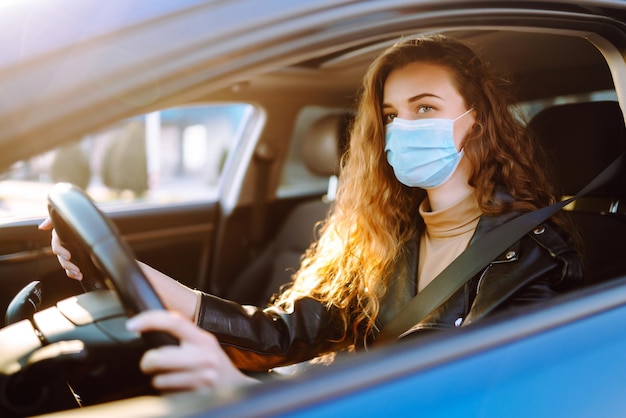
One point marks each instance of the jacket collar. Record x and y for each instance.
(485, 224)
(488, 223)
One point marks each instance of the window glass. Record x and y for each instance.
(174, 155)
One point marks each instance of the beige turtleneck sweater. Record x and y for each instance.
(448, 233)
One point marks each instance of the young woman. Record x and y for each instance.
(436, 160)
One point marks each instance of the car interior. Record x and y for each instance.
(591, 135)
(322, 147)
(573, 134)
(247, 243)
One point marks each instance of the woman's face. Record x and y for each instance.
(422, 90)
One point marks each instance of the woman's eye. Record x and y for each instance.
(424, 109)
(389, 118)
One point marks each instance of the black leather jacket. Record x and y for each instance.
(539, 266)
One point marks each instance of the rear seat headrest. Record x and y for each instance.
(581, 139)
(324, 143)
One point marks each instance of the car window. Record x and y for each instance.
(172, 155)
(296, 179)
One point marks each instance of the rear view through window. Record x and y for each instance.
(174, 155)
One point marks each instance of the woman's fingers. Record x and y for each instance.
(64, 256)
(58, 248)
(186, 367)
(163, 359)
(170, 322)
(187, 380)
(197, 362)
(46, 224)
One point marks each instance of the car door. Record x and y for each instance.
(157, 176)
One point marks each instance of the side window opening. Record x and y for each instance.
(168, 156)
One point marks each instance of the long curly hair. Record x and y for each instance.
(374, 215)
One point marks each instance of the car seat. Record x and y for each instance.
(322, 146)
(581, 139)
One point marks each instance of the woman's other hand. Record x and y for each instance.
(197, 363)
(63, 255)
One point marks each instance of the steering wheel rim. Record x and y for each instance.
(77, 220)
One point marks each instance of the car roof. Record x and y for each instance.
(31, 28)
(87, 72)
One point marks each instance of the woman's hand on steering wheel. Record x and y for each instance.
(63, 255)
(197, 363)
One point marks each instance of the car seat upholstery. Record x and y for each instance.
(322, 146)
(581, 139)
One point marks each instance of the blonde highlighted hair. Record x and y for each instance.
(374, 215)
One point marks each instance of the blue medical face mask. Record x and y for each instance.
(422, 151)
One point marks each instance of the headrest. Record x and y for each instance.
(581, 139)
(324, 143)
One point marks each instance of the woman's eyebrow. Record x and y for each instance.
(421, 96)
(415, 99)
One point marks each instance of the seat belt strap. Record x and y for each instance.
(475, 257)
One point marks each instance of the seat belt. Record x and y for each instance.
(475, 257)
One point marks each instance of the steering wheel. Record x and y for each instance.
(81, 342)
(102, 255)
